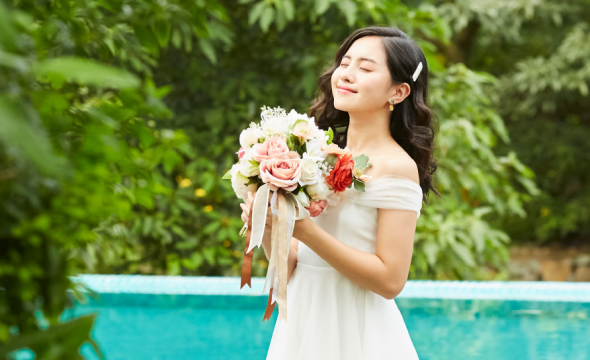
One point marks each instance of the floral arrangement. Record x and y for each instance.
(288, 155)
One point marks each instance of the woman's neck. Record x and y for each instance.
(368, 133)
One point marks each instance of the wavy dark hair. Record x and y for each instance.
(412, 123)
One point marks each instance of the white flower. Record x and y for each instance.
(302, 198)
(314, 150)
(248, 137)
(310, 171)
(239, 181)
(320, 135)
(318, 191)
(314, 130)
(247, 168)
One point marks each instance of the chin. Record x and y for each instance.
(341, 105)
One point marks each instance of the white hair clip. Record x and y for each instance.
(417, 72)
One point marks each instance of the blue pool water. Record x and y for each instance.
(207, 326)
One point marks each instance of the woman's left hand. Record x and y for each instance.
(248, 205)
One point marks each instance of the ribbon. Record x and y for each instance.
(288, 209)
(248, 257)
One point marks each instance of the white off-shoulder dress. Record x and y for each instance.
(328, 316)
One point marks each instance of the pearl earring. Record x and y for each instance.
(390, 104)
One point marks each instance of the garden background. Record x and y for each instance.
(118, 119)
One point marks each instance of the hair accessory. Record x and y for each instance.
(417, 72)
(390, 104)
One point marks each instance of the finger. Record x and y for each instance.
(244, 218)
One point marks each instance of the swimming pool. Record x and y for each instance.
(159, 317)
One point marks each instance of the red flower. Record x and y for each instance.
(341, 175)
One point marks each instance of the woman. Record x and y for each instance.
(347, 265)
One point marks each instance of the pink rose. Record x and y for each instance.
(277, 148)
(281, 173)
(241, 153)
(260, 151)
(293, 155)
(316, 207)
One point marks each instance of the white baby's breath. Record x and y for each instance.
(274, 122)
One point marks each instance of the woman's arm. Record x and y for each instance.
(292, 261)
(385, 272)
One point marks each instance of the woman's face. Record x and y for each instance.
(363, 71)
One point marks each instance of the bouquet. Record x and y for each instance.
(288, 155)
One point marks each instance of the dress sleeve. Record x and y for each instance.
(391, 192)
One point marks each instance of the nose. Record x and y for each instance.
(347, 74)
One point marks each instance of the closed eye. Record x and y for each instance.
(367, 70)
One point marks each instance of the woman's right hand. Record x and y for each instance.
(246, 210)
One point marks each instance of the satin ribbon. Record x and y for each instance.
(288, 210)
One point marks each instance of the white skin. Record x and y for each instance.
(386, 271)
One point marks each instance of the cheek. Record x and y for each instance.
(335, 77)
(372, 85)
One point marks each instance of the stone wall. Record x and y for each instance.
(551, 263)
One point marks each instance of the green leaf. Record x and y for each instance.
(321, 6)
(171, 159)
(463, 252)
(330, 134)
(146, 37)
(211, 227)
(76, 332)
(176, 38)
(227, 175)
(266, 18)
(252, 180)
(162, 32)
(208, 50)
(361, 162)
(358, 185)
(349, 9)
(431, 251)
(16, 130)
(84, 71)
(255, 12)
(209, 254)
(288, 10)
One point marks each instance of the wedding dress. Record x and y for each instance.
(328, 316)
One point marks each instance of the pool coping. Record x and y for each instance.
(434, 289)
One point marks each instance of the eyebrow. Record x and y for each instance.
(362, 59)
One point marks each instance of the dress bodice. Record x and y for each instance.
(354, 220)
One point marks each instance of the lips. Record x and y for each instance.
(346, 90)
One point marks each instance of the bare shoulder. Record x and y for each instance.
(401, 165)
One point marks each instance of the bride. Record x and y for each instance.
(347, 265)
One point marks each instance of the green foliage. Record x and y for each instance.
(79, 147)
(455, 239)
(539, 52)
(60, 341)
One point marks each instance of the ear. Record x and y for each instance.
(399, 92)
